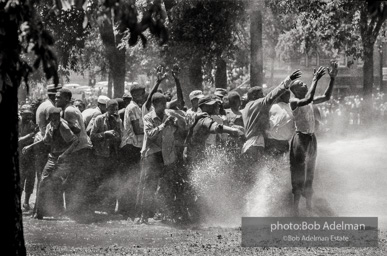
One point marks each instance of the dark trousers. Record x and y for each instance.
(41, 157)
(152, 169)
(49, 200)
(27, 172)
(105, 184)
(303, 153)
(276, 147)
(78, 186)
(129, 173)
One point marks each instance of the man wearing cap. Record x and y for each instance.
(91, 113)
(79, 162)
(130, 150)
(220, 92)
(27, 131)
(106, 137)
(127, 99)
(204, 126)
(194, 97)
(256, 116)
(62, 141)
(192, 113)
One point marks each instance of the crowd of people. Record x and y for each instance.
(134, 155)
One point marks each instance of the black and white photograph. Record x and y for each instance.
(193, 127)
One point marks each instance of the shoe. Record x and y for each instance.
(26, 208)
(38, 216)
(142, 221)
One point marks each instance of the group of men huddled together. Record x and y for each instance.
(130, 155)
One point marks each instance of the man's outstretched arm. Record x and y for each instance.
(328, 92)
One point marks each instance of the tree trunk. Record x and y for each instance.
(221, 73)
(256, 70)
(13, 239)
(115, 57)
(110, 84)
(368, 81)
(195, 73)
(118, 65)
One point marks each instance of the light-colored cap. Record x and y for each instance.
(102, 99)
(197, 94)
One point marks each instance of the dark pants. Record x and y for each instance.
(106, 183)
(152, 170)
(129, 173)
(78, 186)
(303, 153)
(276, 147)
(27, 172)
(49, 200)
(41, 157)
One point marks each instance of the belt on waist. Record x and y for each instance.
(305, 133)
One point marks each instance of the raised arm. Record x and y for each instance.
(280, 89)
(294, 103)
(332, 72)
(179, 91)
(161, 75)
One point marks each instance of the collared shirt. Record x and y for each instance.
(59, 139)
(159, 137)
(42, 115)
(281, 122)
(89, 114)
(304, 119)
(105, 146)
(75, 121)
(132, 113)
(256, 116)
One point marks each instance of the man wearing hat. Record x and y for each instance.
(127, 99)
(27, 131)
(204, 127)
(91, 113)
(192, 113)
(106, 137)
(41, 112)
(220, 92)
(61, 141)
(41, 151)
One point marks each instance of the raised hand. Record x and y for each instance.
(319, 73)
(175, 70)
(333, 70)
(161, 73)
(296, 74)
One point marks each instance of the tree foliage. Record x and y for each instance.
(205, 28)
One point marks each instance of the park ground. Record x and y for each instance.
(351, 176)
